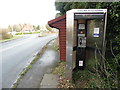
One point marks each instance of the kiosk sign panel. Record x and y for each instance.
(96, 32)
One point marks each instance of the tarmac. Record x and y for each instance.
(40, 75)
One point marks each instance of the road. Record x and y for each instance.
(16, 54)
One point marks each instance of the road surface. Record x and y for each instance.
(16, 54)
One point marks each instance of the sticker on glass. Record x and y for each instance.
(96, 32)
(80, 63)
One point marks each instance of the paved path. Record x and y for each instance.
(43, 66)
(50, 81)
(16, 54)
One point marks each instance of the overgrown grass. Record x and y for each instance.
(87, 78)
(14, 37)
(93, 77)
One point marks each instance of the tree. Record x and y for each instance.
(38, 27)
(34, 27)
(22, 26)
(60, 7)
(10, 28)
(57, 15)
(48, 27)
(17, 28)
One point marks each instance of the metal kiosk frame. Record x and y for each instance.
(70, 16)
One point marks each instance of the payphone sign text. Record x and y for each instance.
(96, 32)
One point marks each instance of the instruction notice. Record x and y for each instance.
(96, 32)
(80, 63)
(81, 26)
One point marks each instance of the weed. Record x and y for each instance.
(60, 69)
(35, 59)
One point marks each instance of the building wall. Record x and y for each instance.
(61, 25)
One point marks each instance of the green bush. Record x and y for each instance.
(6, 36)
(4, 33)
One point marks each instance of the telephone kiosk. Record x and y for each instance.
(84, 29)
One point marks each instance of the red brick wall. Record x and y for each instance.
(62, 37)
(61, 25)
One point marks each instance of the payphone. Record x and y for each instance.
(81, 45)
(90, 28)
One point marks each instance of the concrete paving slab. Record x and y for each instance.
(49, 81)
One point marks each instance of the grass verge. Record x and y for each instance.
(20, 33)
(38, 55)
(14, 37)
